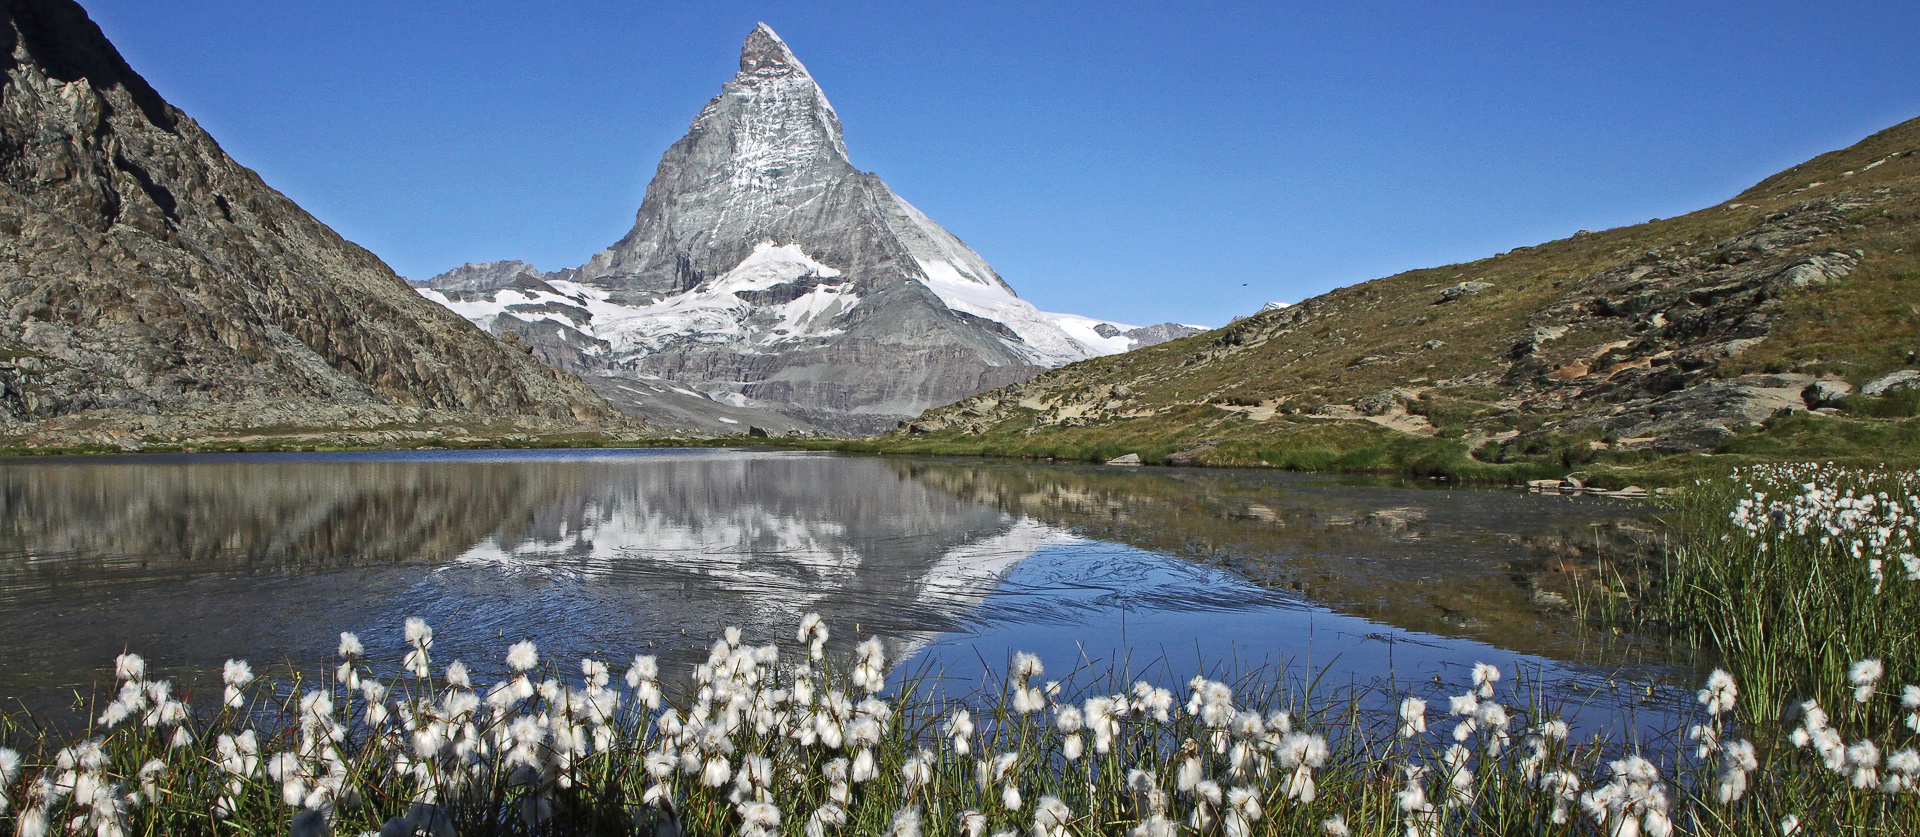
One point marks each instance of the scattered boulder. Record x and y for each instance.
(1827, 391)
(758, 432)
(1129, 459)
(1188, 457)
(1432, 344)
(1463, 289)
(1892, 383)
(1384, 402)
(1813, 271)
(1122, 391)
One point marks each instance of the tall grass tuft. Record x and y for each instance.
(1795, 572)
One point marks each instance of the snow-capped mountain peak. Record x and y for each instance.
(763, 265)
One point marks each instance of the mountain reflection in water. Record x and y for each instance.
(193, 559)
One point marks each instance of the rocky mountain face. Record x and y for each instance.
(147, 277)
(1780, 321)
(766, 272)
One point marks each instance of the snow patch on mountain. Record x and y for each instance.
(711, 313)
(1043, 338)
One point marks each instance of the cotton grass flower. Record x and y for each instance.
(1152, 701)
(1207, 799)
(1020, 674)
(869, 665)
(1720, 693)
(959, 731)
(236, 674)
(1242, 811)
(1466, 707)
(1738, 760)
(1413, 717)
(1564, 788)
(1301, 754)
(523, 655)
(129, 667)
(1865, 675)
(1050, 817)
(826, 818)
(1149, 801)
(972, 823)
(9, 773)
(1635, 802)
(1485, 677)
(759, 819)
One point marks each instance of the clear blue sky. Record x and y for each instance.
(1138, 162)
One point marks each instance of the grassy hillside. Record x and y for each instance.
(1645, 347)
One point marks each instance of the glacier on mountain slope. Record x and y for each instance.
(715, 313)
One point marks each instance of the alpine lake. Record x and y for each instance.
(1313, 584)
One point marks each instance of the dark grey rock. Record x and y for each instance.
(1468, 288)
(1826, 392)
(1384, 402)
(1704, 415)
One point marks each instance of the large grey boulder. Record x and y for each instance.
(1468, 288)
(1892, 383)
(1827, 391)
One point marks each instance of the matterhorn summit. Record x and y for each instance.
(765, 273)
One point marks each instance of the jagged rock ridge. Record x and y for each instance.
(144, 272)
(765, 270)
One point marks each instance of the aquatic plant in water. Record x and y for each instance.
(825, 746)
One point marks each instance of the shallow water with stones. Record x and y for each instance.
(1315, 583)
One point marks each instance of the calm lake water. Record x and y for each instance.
(190, 560)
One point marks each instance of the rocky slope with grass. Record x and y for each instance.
(1764, 326)
(153, 290)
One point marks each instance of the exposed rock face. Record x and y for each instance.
(1153, 335)
(145, 272)
(765, 270)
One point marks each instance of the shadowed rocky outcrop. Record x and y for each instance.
(144, 272)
